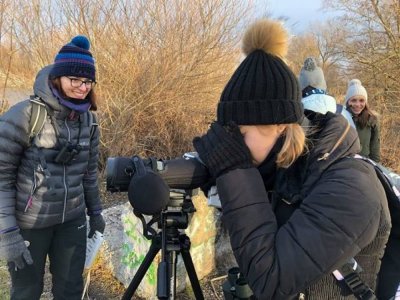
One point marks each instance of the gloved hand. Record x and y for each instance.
(14, 250)
(96, 223)
(222, 150)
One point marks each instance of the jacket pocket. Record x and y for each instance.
(37, 180)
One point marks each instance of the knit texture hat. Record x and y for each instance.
(356, 89)
(312, 75)
(74, 59)
(262, 90)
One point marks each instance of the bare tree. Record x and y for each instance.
(161, 64)
(371, 52)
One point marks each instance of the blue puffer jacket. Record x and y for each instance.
(36, 192)
(290, 228)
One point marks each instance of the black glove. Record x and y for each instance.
(14, 250)
(222, 150)
(96, 223)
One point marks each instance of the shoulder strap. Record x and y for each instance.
(389, 180)
(349, 273)
(38, 116)
(92, 121)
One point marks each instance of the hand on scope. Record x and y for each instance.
(223, 149)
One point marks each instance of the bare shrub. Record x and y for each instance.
(161, 64)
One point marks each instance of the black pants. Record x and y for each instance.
(65, 244)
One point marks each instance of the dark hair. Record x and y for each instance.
(365, 117)
(56, 82)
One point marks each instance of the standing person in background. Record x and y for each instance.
(296, 208)
(313, 89)
(365, 119)
(49, 181)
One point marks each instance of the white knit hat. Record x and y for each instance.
(356, 89)
(312, 75)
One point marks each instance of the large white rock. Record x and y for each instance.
(125, 247)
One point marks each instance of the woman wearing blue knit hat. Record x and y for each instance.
(48, 182)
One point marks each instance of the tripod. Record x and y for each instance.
(171, 242)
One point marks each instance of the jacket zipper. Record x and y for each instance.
(65, 176)
(326, 155)
(33, 189)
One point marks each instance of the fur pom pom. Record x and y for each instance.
(81, 41)
(267, 35)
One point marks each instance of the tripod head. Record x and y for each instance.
(176, 215)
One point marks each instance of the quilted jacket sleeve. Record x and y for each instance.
(14, 139)
(331, 225)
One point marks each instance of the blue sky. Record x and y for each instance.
(301, 13)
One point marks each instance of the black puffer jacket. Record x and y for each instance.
(323, 210)
(67, 190)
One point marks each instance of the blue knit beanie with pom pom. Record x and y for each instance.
(74, 59)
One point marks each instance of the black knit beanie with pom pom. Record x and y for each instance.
(262, 90)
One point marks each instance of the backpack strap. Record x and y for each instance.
(92, 122)
(349, 273)
(38, 116)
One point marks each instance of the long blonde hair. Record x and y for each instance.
(293, 146)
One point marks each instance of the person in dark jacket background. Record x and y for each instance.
(45, 195)
(296, 208)
(313, 90)
(365, 119)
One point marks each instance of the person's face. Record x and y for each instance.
(260, 139)
(76, 87)
(356, 104)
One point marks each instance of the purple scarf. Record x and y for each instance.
(77, 105)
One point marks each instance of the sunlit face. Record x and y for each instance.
(76, 87)
(356, 104)
(260, 139)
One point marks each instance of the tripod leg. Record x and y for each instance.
(154, 248)
(166, 276)
(187, 259)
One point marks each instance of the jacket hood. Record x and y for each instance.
(42, 89)
(331, 138)
(321, 103)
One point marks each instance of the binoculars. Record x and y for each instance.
(236, 286)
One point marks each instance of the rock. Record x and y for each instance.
(125, 247)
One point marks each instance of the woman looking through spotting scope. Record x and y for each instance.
(296, 208)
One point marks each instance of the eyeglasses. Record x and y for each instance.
(76, 83)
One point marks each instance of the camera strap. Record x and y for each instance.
(140, 168)
(43, 166)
